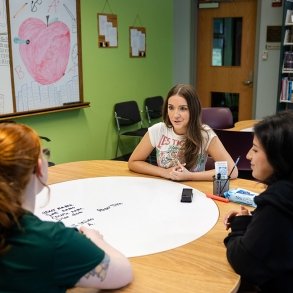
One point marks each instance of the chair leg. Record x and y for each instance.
(117, 146)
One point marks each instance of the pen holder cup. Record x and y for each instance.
(220, 186)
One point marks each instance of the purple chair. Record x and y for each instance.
(237, 143)
(217, 117)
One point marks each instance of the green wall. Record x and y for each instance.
(109, 76)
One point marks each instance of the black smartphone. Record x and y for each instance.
(186, 195)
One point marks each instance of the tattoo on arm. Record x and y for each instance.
(100, 270)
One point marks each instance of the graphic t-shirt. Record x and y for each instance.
(169, 145)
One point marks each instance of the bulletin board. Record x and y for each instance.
(107, 30)
(137, 41)
(45, 57)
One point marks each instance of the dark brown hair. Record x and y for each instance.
(193, 137)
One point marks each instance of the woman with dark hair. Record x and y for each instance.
(260, 244)
(182, 142)
(38, 256)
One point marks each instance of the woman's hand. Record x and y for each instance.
(91, 233)
(243, 212)
(179, 172)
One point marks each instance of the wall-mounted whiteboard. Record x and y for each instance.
(45, 55)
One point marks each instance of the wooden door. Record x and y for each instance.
(227, 79)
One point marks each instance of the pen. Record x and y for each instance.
(235, 164)
(216, 197)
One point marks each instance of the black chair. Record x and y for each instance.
(127, 116)
(238, 143)
(217, 117)
(153, 107)
(46, 151)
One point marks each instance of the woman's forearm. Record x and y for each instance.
(148, 169)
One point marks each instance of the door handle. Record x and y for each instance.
(247, 82)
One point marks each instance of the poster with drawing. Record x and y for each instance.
(6, 102)
(45, 62)
(137, 44)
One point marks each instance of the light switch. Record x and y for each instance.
(264, 55)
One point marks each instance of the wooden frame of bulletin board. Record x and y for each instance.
(137, 41)
(45, 57)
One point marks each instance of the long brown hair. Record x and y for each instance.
(19, 152)
(193, 136)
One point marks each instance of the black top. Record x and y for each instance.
(260, 247)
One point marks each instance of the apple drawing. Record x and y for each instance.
(45, 51)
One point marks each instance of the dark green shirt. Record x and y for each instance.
(46, 257)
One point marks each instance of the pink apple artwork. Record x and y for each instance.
(45, 49)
